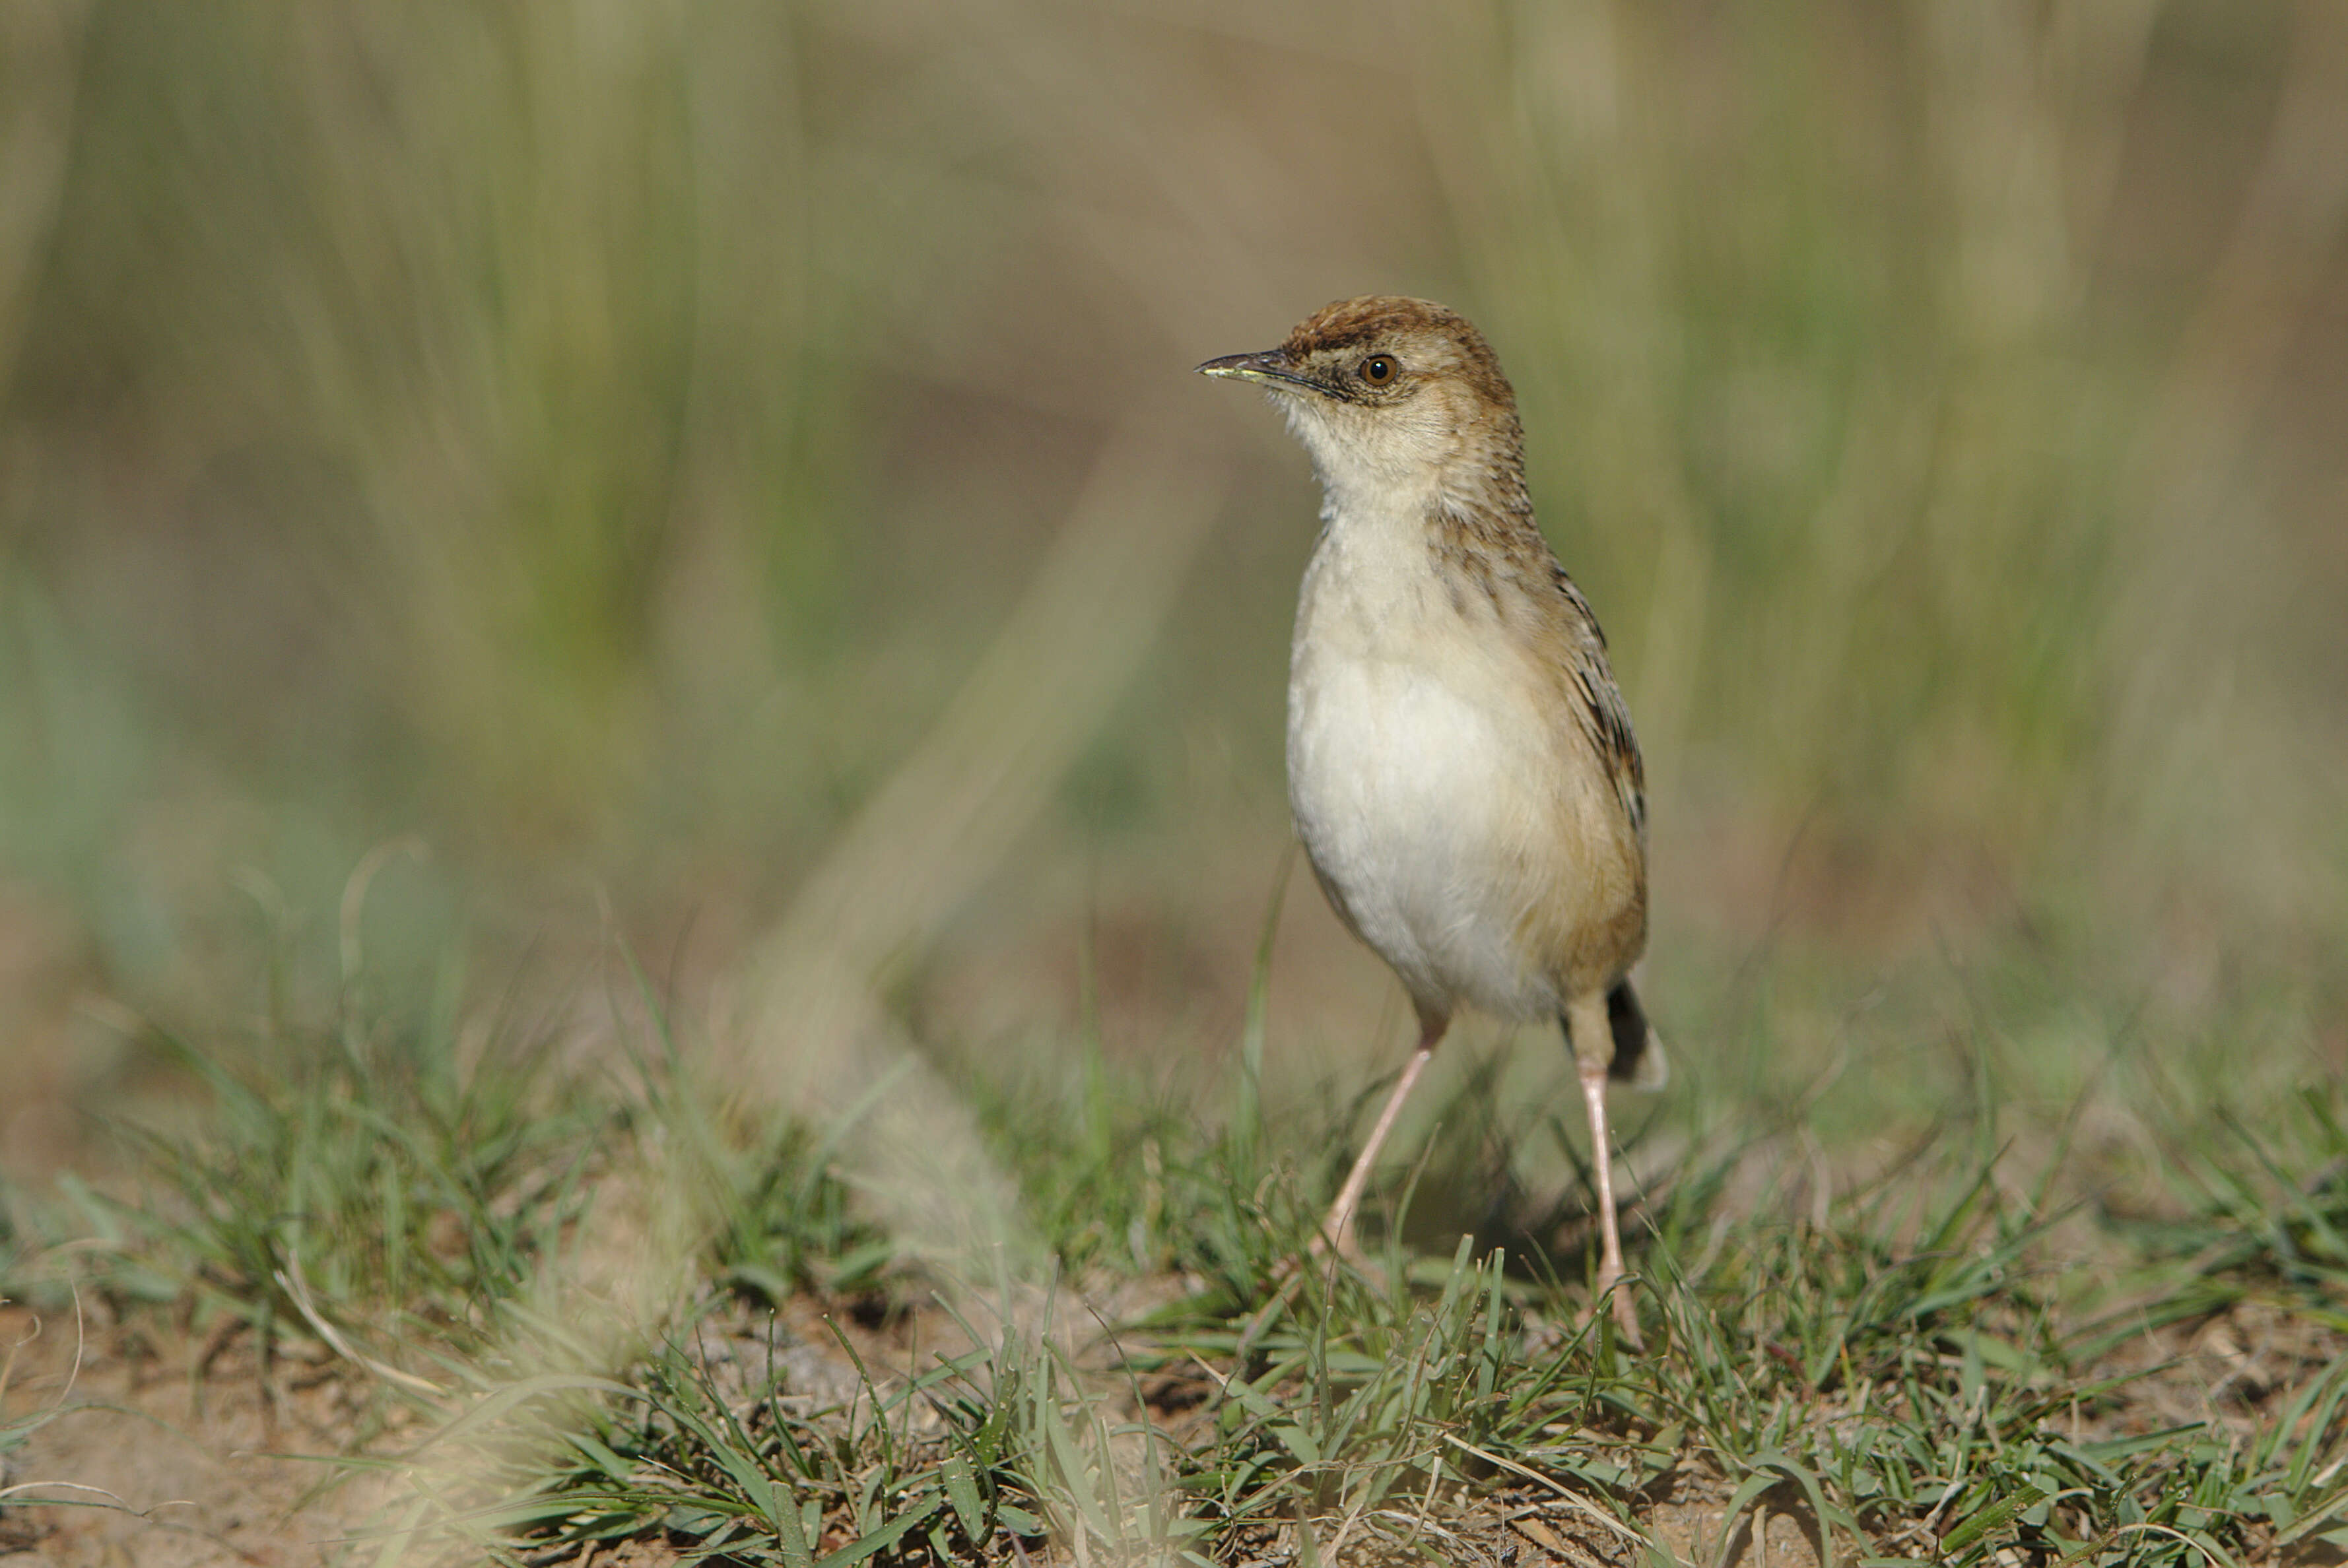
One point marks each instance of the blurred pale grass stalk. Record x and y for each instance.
(508, 344)
(809, 1037)
(2264, 284)
(2224, 751)
(37, 40)
(545, 296)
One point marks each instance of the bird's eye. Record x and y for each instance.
(1377, 370)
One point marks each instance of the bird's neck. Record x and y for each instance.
(1429, 512)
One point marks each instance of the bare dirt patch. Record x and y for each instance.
(165, 1448)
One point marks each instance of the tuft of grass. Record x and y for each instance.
(410, 1188)
(2260, 1215)
(781, 1221)
(716, 1451)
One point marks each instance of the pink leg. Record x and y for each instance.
(1586, 1023)
(1337, 1229)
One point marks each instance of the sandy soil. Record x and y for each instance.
(152, 1447)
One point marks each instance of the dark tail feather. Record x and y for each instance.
(1629, 1021)
(1638, 1054)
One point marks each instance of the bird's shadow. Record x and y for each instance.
(1467, 1181)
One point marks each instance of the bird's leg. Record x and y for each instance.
(1609, 1258)
(1337, 1230)
(1594, 1053)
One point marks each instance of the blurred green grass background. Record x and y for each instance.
(593, 442)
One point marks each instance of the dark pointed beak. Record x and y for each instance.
(1270, 367)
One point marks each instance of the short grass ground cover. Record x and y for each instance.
(1957, 1358)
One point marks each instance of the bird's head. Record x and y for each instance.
(1389, 393)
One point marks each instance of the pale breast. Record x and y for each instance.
(1445, 802)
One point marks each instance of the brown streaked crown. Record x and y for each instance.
(1399, 323)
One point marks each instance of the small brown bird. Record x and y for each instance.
(1460, 762)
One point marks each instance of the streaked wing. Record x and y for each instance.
(1599, 710)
